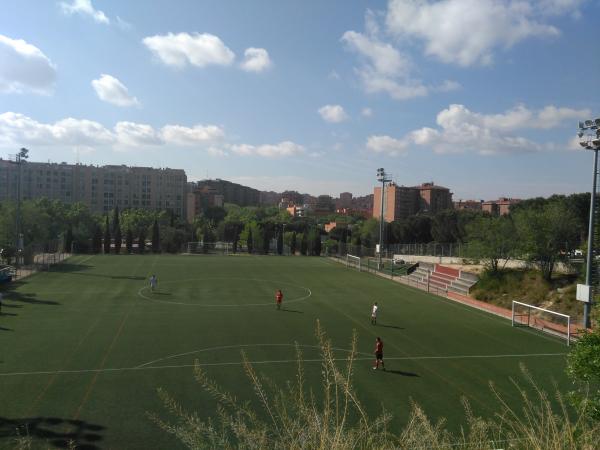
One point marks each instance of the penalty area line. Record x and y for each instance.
(277, 361)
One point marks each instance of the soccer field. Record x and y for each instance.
(84, 347)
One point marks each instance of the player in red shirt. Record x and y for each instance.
(278, 298)
(378, 354)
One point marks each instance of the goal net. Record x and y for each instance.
(210, 248)
(525, 315)
(353, 261)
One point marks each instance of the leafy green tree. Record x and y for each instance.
(117, 231)
(106, 237)
(583, 368)
(544, 233)
(129, 241)
(293, 243)
(266, 238)
(492, 239)
(155, 237)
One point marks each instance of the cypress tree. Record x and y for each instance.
(304, 244)
(129, 241)
(117, 231)
(97, 239)
(266, 240)
(142, 241)
(249, 242)
(155, 237)
(280, 242)
(106, 237)
(68, 240)
(317, 244)
(293, 244)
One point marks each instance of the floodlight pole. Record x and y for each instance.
(589, 135)
(381, 176)
(587, 306)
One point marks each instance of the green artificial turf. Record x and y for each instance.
(84, 347)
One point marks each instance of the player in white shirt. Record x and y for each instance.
(153, 282)
(374, 314)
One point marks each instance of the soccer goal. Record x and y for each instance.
(353, 261)
(525, 315)
(210, 248)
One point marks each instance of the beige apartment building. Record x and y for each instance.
(403, 201)
(102, 188)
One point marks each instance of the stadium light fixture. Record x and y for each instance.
(589, 139)
(382, 177)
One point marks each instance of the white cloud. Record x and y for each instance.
(195, 49)
(333, 113)
(133, 134)
(17, 129)
(282, 149)
(24, 68)
(367, 112)
(198, 134)
(256, 60)
(111, 90)
(384, 68)
(84, 8)
(387, 145)
(461, 130)
(467, 32)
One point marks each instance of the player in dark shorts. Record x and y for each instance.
(378, 354)
(278, 298)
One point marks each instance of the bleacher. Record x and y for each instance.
(444, 278)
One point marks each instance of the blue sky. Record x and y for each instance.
(482, 96)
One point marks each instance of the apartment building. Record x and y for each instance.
(403, 201)
(500, 207)
(101, 188)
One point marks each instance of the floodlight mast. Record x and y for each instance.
(589, 135)
(383, 178)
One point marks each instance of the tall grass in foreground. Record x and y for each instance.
(295, 417)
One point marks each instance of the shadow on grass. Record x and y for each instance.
(54, 431)
(292, 310)
(7, 314)
(161, 293)
(389, 326)
(69, 268)
(404, 374)
(112, 277)
(5, 329)
(13, 295)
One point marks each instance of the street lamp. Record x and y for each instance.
(382, 177)
(589, 139)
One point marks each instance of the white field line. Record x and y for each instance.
(280, 361)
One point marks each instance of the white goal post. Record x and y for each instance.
(552, 322)
(219, 248)
(353, 261)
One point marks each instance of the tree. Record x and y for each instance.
(280, 242)
(304, 244)
(583, 367)
(106, 237)
(155, 237)
(142, 241)
(317, 244)
(293, 243)
(97, 239)
(266, 239)
(68, 244)
(544, 233)
(249, 242)
(493, 239)
(117, 231)
(129, 241)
